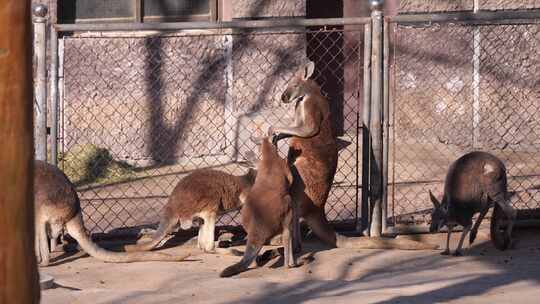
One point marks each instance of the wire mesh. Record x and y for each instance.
(459, 88)
(140, 113)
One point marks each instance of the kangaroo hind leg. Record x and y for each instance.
(288, 238)
(42, 243)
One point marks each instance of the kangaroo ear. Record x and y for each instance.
(309, 68)
(435, 201)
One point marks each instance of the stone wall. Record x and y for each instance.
(265, 8)
(423, 6)
(155, 99)
(438, 98)
(508, 4)
(415, 6)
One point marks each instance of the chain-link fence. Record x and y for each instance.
(456, 88)
(139, 112)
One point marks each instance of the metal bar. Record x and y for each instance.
(138, 10)
(476, 88)
(376, 121)
(60, 99)
(386, 117)
(40, 87)
(470, 17)
(366, 111)
(231, 117)
(54, 97)
(247, 24)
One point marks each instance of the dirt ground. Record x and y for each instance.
(483, 275)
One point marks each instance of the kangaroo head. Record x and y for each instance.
(297, 87)
(268, 151)
(439, 214)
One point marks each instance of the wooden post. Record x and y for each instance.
(19, 281)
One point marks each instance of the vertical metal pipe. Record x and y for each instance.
(376, 118)
(476, 88)
(40, 102)
(60, 135)
(231, 117)
(54, 96)
(386, 128)
(366, 111)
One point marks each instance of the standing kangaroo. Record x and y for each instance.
(57, 207)
(268, 210)
(204, 193)
(313, 156)
(474, 182)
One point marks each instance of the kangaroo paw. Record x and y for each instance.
(458, 253)
(472, 237)
(446, 252)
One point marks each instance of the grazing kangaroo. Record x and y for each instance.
(313, 158)
(268, 210)
(474, 182)
(205, 194)
(57, 207)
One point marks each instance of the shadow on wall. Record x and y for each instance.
(167, 136)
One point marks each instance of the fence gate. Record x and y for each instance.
(139, 111)
(457, 84)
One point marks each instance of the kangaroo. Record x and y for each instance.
(313, 158)
(57, 207)
(474, 182)
(205, 194)
(268, 210)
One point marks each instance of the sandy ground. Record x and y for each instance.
(484, 275)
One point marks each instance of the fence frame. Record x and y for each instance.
(58, 31)
(514, 17)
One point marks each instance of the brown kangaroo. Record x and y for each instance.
(474, 182)
(268, 210)
(57, 207)
(313, 157)
(204, 193)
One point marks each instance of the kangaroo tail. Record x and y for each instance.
(165, 227)
(249, 256)
(76, 229)
(382, 243)
(501, 235)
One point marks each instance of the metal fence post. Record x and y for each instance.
(54, 96)
(40, 86)
(376, 118)
(363, 223)
(386, 125)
